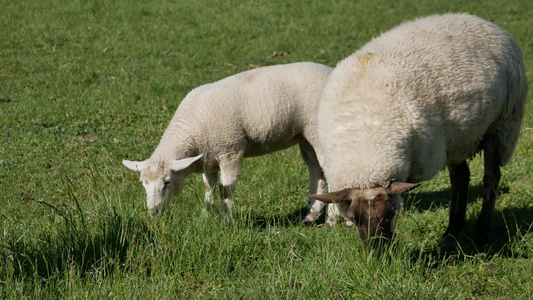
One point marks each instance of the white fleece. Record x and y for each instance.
(248, 114)
(419, 97)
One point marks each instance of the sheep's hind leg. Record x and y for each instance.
(459, 178)
(210, 183)
(317, 182)
(491, 180)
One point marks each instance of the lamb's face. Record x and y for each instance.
(161, 185)
(161, 180)
(372, 210)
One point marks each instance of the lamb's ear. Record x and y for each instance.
(135, 165)
(335, 197)
(181, 164)
(401, 187)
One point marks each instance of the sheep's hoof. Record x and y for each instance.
(481, 237)
(447, 237)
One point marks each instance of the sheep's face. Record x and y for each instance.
(372, 210)
(161, 180)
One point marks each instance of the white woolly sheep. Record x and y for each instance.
(429, 93)
(249, 114)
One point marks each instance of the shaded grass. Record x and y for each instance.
(85, 84)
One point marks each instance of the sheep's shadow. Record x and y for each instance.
(441, 199)
(508, 227)
(508, 224)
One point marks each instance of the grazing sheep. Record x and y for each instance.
(429, 93)
(249, 114)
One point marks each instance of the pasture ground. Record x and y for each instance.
(85, 84)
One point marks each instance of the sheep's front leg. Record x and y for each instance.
(491, 180)
(317, 182)
(210, 183)
(229, 174)
(459, 178)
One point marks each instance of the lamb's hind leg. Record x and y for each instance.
(491, 180)
(459, 178)
(317, 182)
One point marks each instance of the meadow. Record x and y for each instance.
(85, 84)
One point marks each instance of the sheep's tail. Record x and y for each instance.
(508, 129)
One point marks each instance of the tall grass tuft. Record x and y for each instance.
(86, 84)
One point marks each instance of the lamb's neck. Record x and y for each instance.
(177, 142)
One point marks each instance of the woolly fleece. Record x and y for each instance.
(419, 97)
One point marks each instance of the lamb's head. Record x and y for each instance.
(161, 180)
(372, 210)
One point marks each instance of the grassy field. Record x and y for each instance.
(85, 84)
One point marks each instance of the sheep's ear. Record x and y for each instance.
(134, 165)
(335, 197)
(401, 187)
(181, 164)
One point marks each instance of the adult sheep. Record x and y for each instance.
(429, 93)
(252, 113)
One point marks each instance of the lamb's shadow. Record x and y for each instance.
(76, 245)
(289, 220)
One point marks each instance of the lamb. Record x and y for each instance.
(429, 93)
(249, 114)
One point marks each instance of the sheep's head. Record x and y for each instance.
(161, 180)
(372, 210)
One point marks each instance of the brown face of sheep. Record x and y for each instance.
(372, 210)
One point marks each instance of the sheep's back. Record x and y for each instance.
(418, 97)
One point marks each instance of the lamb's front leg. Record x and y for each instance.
(230, 171)
(210, 183)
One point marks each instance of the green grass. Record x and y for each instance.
(85, 84)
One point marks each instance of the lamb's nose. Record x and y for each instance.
(156, 211)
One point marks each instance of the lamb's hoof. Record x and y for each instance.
(205, 212)
(310, 218)
(331, 223)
